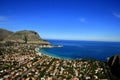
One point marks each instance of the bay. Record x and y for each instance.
(73, 49)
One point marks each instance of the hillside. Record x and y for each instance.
(24, 36)
(4, 33)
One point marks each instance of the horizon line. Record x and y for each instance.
(80, 40)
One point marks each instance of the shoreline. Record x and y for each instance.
(63, 58)
(28, 62)
(42, 53)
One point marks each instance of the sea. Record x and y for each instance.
(73, 49)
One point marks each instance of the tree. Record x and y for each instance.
(26, 38)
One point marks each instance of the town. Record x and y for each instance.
(23, 62)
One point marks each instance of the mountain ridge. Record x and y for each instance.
(23, 36)
(4, 33)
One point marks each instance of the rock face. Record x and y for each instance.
(4, 33)
(114, 64)
(25, 36)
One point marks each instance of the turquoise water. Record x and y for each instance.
(83, 49)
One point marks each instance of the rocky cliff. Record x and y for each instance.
(114, 64)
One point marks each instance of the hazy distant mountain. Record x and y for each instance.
(4, 33)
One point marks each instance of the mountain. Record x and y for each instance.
(24, 36)
(4, 33)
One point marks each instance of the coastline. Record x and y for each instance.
(81, 49)
(40, 53)
(37, 50)
(28, 62)
(25, 61)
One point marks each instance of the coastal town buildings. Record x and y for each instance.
(23, 62)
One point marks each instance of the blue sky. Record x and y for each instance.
(63, 19)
